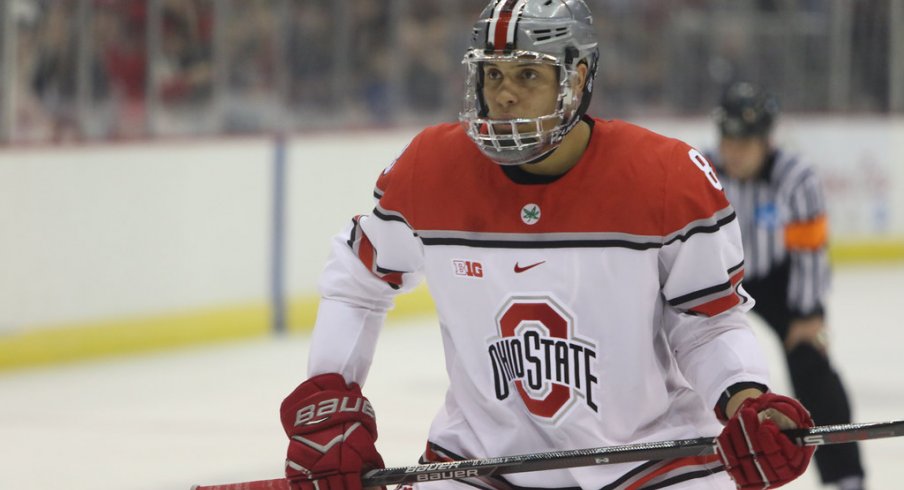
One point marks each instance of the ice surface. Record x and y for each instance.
(210, 415)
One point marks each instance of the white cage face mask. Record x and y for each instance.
(520, 140)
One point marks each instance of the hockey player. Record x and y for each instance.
(587, 279)
(782, 214)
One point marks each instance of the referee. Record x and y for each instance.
(781, 209)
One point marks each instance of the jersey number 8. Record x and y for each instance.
(703, 164)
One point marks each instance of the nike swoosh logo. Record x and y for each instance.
(519, 269)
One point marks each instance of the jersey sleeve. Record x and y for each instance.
(374, 259)
(701, 269)
(702, 257)
(806, 240)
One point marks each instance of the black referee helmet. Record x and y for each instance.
(746, 110)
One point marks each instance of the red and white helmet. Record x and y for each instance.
(554, 32)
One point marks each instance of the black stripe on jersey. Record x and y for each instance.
(387, 215)
(382, 270)
(470, 242)
(707, 291)
(711, 228)
(700, 293)
(683, 478)
(378, 271)
(576, 240)
(631, 474)
(354, 233)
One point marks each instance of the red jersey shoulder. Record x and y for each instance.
(694, 190)
(429, 152)
(665, 170)
(662, 157)
(425, 169)
(630, 145)
(632, 134)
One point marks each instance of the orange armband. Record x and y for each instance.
(807, 235)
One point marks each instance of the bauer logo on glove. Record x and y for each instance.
(316, 413)
(332, 429)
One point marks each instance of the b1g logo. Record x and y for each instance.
(467, 268)
(538, 354)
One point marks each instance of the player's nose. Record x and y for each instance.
(506, 96)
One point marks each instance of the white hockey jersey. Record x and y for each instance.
(602, 308)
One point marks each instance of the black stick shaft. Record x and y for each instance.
(817, 436)
(470, 468)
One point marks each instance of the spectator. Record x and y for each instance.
(313, 58)
(54, 77)
(121, 37)
(185, 68)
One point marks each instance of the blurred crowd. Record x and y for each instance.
(122, 69)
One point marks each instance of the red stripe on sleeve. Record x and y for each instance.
(394, 278)
(366, 252)
(678, 463)
(730, 300)
(367, 255)
(717, 306)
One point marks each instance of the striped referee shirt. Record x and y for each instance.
(782, 214)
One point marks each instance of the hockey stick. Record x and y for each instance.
(680, 448)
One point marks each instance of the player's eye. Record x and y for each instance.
(529, 74)
(493, 74)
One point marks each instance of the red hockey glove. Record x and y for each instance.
(755, 452)
(332, 430)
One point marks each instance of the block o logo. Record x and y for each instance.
(537, 353)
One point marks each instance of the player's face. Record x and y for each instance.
(743, 157)
(513, 89)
